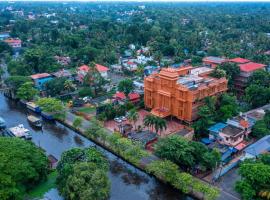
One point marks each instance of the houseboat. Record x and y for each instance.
(47, 116)
(32, 106)
(34, 121)
(20, 132)
(2, 123)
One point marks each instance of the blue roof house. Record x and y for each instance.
(40, 79)
(257, 148)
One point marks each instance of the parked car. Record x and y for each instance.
(123, 118)
(118, 120)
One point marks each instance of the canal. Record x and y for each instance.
(127, 182)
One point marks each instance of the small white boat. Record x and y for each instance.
(34, 121)
(20, 132)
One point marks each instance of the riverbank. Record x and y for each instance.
(55, 138)
(180, 180)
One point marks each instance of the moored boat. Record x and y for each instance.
(20, 132)
(47, 116)
(32, 106)
(34, 121)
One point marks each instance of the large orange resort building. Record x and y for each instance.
(180, 92)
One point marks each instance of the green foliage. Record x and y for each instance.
(93, 79)
(51, 105)
(22, 167)
(169, 172)
(85, 91)
(82, 174)
(16, 82)
(27, 91)
(260, 129)
(186, 153)
(257, 95)
(218, 73)
(154, 122)
(255, 178)
(77, 122)
(55, 86)
(126, 86)
(133, 116)
(232, 70)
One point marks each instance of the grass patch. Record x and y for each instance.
(87, 110)
(44, 187)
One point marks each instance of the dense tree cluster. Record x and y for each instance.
(215, 110)
(82, 175)
(23, 166)
(88, 32)
(187, 154)
(255, 182)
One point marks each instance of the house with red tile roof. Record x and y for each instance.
(133, 97)
(14, 43)
(102, 70)
(40, 79)
(246, 70)
(239, 60)
(82, 71)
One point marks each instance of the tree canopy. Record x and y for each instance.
(83, 175)
(23, 165)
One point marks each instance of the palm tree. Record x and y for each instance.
(133, 116)
(149, 121)
(69, 86)
(160, 124)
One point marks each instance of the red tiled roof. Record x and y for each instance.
(130, 63)
(13, 41)
(38, 76)
(122, 96)
(84, 68)
(239, 60)
(133, 96)
(101, 68)
(119, 95)
(251, 66)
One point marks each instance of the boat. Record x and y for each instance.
(32, 106)
(47, 116)
(2, 123)
(34, 121)
(19, 132)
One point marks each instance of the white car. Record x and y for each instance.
(123, 118)
(118, 120)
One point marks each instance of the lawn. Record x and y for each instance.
(87, 110)
(44, 187)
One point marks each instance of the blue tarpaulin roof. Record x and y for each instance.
(217, 127)
(259, 147)
(226, 155)
(206, 140)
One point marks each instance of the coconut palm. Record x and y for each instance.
(69, 86)
(133, 116)
(160, 124)
(149, 121)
